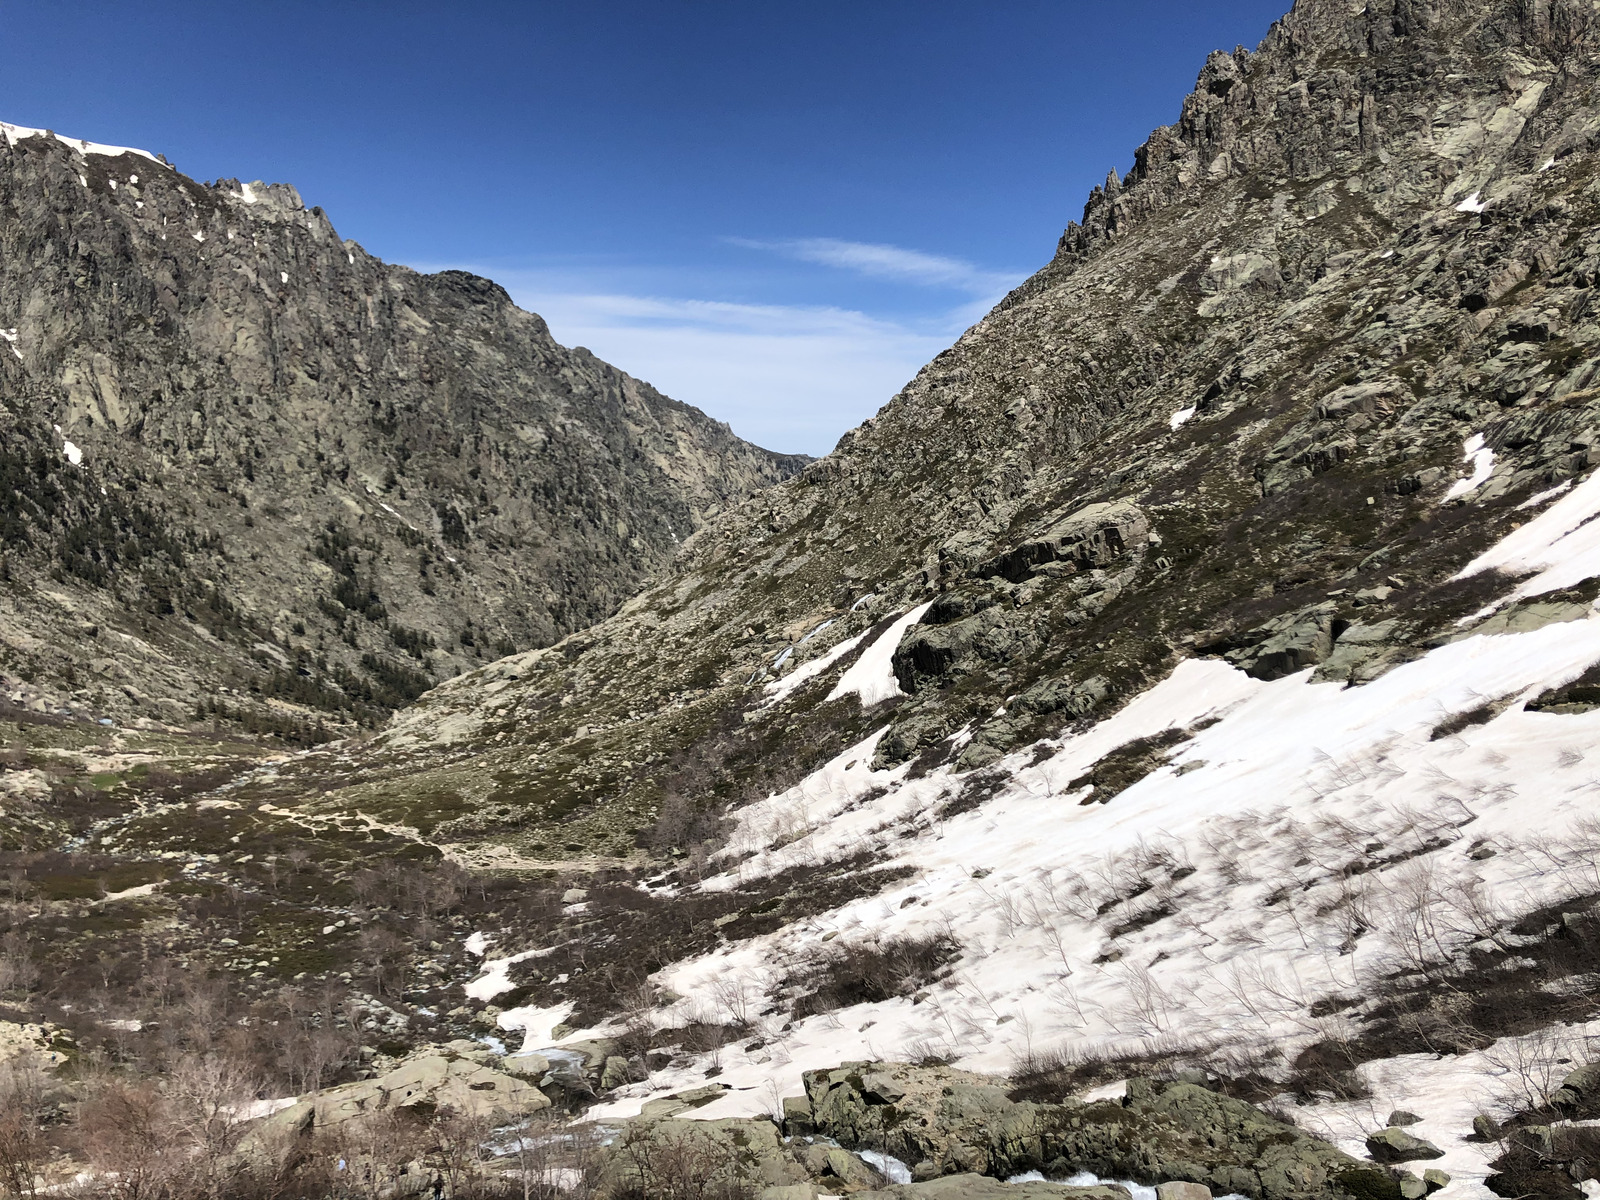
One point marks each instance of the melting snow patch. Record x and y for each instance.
(246, 194)
(538, 1025)
(1482, 460)
(496, 977)
(1539, 498)
(1472, 204)
(782, 689)
(1546, 165)
(199, 237)
(254, 1110)
(73, 453)
(1561, 544)
(872, 676)
(283, 275)
(477, 944)
(1181, 417)
(10, 335)
(1290, 775)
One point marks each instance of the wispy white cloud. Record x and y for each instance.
(790, 378)
(878, 260)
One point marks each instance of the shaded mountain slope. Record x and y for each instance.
(302, 484)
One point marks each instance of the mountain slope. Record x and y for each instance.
(1161, 646)
(277, 474)
(1244, 383)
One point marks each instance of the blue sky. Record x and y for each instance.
(777, 212)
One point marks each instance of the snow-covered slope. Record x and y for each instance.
(1306, 842)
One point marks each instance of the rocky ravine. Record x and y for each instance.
(1190, 677)
(250, 469)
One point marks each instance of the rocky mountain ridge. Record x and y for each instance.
(258, 474)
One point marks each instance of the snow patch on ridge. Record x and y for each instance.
(780, 690)
(1482, 460)
(16, 133)
(1561, 546)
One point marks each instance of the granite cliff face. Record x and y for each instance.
(273, 473)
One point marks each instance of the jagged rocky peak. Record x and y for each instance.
(285, 481)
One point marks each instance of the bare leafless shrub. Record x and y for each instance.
(19, 974)
(23, 1147)
(1328, 1068)
(839, 976)
(122, 1129)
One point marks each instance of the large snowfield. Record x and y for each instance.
(1307, 840)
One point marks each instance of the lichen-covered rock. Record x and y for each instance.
(1159, 1132)
(1580, 1089)
(420, 1086)
(1395, 1145)
(1094, 536)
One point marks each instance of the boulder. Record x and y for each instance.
(1292, 645)
(422, 1084)
(616, 1073)
(992, 636)
(1578, 1088)
(950, 1122)
(790, 1191)
(796, 1116)
(526, 1066)
(1395, 1145)
(1182, 1191)
(680, 1102)
(1093, 536)
(1400, 1117)
(1374, 398)
(850, 1170)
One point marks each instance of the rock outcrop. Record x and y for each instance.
(945, 1122)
